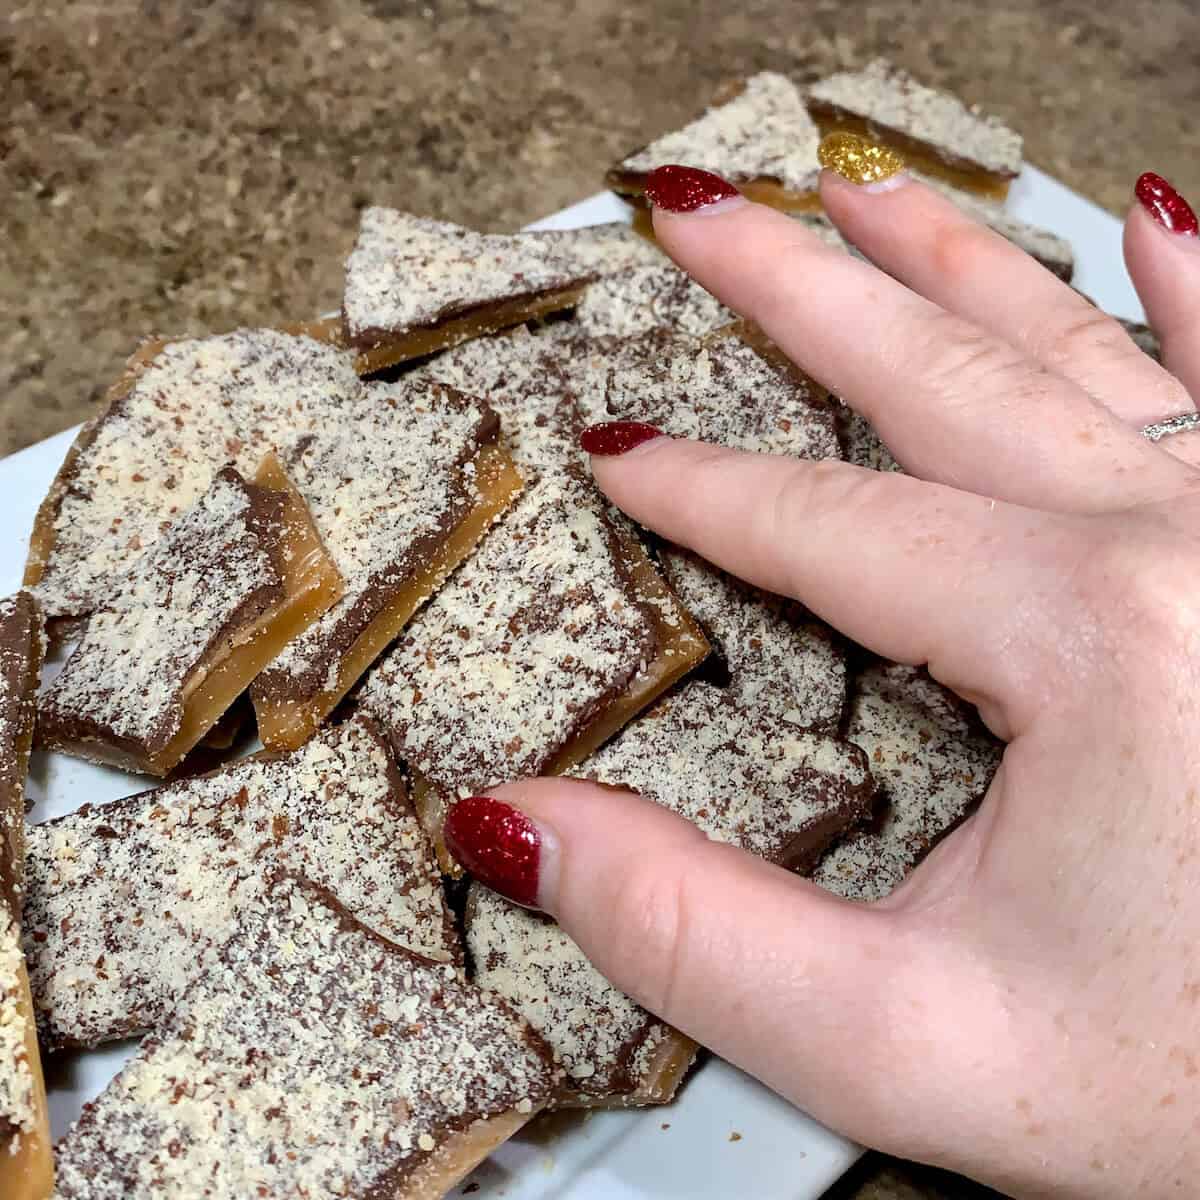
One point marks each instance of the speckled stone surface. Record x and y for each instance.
(180, 167)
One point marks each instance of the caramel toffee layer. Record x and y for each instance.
(125, 902)
(891, 106)
(932, 760)
(311, 1058)
(611, 1050)
(204, 585)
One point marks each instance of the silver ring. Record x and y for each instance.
(1183, 423)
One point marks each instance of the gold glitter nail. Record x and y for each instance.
(857, 158)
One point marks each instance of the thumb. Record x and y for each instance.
(825, 1001)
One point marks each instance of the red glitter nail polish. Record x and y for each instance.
(616, 437)
(685, 189)
(1166, 205)
(498, 844)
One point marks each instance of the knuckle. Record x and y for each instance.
(1085, 334)
(953, 360)
(648, 934)
(808, 492)
(1141, 585)
(959, 246)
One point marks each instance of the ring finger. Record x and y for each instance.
(955, 405)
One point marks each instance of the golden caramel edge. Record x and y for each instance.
(287, 724)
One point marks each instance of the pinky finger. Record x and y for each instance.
(1162, 251)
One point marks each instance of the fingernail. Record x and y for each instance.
(1166, 205)
(859, 160)
(498, 844)
(610, 438)
(679, 189)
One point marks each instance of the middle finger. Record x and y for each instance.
(954, 404)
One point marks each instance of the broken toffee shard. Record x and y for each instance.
(414, 485)
(935, 132)
(193, 621)
(311, 1057)
(126, 902)
(757, 134)
(415, 285)
(26, 1169)
(553, 635)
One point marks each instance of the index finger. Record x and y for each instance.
(916, 572)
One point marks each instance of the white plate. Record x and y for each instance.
(685, 1150)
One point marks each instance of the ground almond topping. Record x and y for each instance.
(603, 1040)
(407, 271)
(719, 389)
(18, 1106)
(780, 659)
(215, 571)
(764, 132)
(933, 761)
(520, 650)
(311, 1058)
(127, 901)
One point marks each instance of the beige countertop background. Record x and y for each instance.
(174, 166)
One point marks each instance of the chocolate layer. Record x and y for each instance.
(200, 588)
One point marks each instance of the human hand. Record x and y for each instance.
(1025, 1007)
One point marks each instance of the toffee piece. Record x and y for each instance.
(311, 1058)
(725, 387)
(415, 483)
(740, 773)
(779, 658)
(638, 299)
(935, 132)
(744, 778)
(181, 412)
(549, 639)
(757, 134)
(126, 902)
(933, 761)
(415, 285)
(26, 1169)
(22, 652)
(613, 1053)
(195, 619)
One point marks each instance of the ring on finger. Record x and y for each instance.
(1168, 427)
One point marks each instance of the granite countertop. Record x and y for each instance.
(167, 166)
